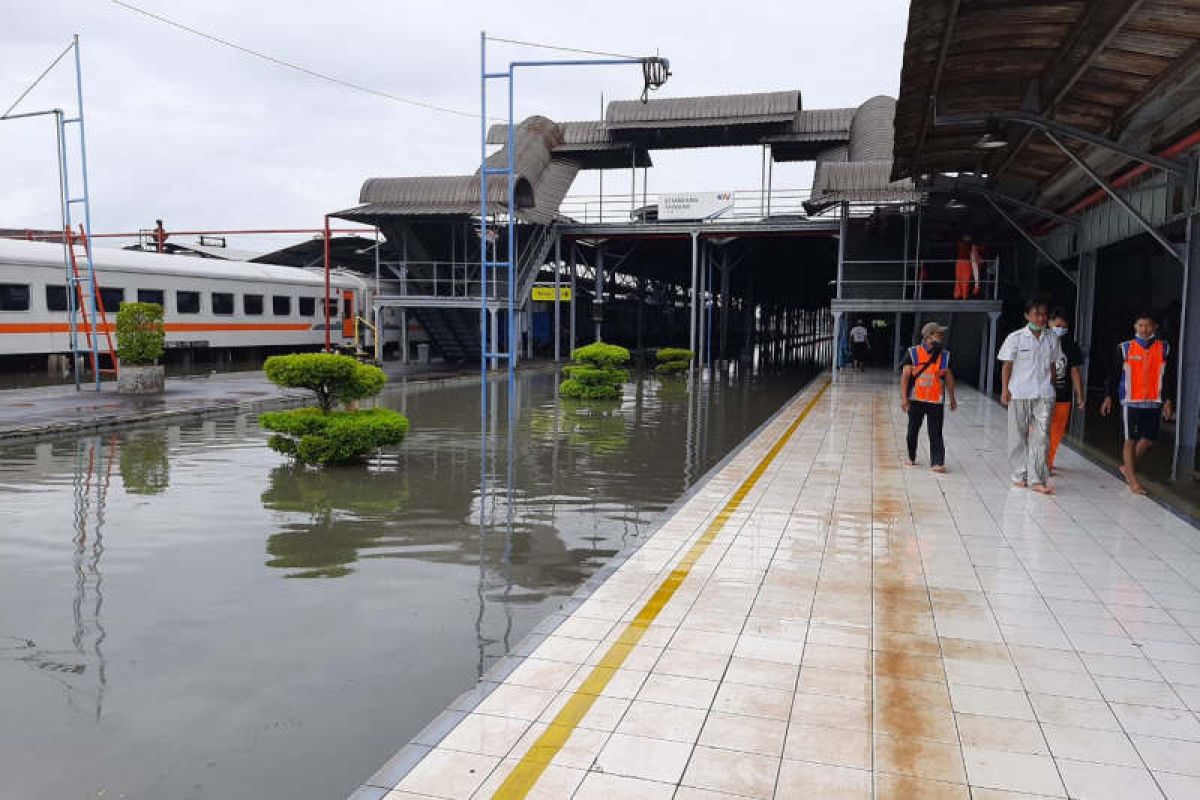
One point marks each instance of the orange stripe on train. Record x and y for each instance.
(169, 327)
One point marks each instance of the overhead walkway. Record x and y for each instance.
(817, 620)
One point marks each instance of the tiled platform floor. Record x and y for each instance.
(861, 629)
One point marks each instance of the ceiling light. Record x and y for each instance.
(954, 204)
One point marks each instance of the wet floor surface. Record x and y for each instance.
(182, 615)
(836, 625)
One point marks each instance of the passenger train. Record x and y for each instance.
(207, 303)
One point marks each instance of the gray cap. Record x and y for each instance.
(930, 328)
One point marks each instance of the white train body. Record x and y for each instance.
(206, 302)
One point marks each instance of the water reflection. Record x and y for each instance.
(145, 465)
(343, 510)
(82, 669)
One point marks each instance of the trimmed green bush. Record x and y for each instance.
(597, 373)
(673, 360)
(332, 378)
(140, 334)
(599, 354)
(322, 438)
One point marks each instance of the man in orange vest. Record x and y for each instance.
(1141, 384)
(966, 269)
(925, 383)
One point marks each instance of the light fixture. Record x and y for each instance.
(991, 141)
(954, 204)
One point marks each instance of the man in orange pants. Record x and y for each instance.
(1068, 381)
(966, 269)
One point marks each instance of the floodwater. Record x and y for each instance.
(183, 615)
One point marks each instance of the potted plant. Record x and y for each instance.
(139, 347)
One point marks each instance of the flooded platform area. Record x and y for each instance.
(818, 620)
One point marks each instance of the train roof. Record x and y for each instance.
(50, 254)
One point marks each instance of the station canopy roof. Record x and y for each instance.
(1127, 70)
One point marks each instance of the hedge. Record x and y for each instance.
(313, 436)
(332, 378)
(140, 334)
(597, 373)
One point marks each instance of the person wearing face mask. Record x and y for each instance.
(1142, 383)
(925, 383)
(1027, 388)
(1068, 382)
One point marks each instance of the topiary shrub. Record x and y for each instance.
(322, 436)
(332, 378)
(140, 333)
(597, 373)
(312, 436)
(673, 360)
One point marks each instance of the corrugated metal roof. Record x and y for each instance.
(823, 121)
(444, 194)
(858, 181)
(731, 109)
(871, 133)
(551, 188)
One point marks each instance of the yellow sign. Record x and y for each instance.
(546, 294)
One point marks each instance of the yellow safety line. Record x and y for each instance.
(526, 773)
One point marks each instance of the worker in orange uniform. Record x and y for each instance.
(1068, 381)
(1141, 384)
(966, 269)
(925, 383)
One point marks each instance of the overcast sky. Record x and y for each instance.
(203, 136)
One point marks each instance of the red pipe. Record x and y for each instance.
(327, 322)
(1127, 177)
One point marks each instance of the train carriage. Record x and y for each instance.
(207, 303)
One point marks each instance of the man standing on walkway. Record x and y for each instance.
(1068, 381)
(860, 345)
(1141, 385)
(1027, 388)
(925, 382)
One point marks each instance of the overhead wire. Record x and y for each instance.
(312, 73)
(37, 80)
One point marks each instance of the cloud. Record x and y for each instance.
(203, 136)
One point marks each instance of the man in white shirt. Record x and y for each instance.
(1027, 388)
(860, 345)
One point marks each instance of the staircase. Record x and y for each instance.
(454, 332)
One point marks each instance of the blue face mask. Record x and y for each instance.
(1059, 331)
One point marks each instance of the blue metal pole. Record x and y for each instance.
(72, 298)
(483, 268)
(512, 251)
(87, 219)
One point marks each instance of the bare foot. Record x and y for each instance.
(908, 462)
(1042, 488)
(1020, 484)
(938, 468)
(1137, 488)
(1124, 474)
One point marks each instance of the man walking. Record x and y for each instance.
(860, 345)
(1141, 385)
(1027, 388)
(1068, 381)
(925, 383)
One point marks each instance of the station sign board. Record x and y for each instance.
(545, 294)
(694, 205)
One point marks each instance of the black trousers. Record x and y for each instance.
(936, 412)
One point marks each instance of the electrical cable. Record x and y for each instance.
(297, 67)
(562, 49)
(37, 80)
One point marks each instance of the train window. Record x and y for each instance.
(281, 305)
(56, 298)
(14, 297)
(252, 304)
(222, 303)
(332, 309)
(187, 302)
(151, 296)
(308, 306)
(112, 298)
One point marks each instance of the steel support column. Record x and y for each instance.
(557, 302)
(897, 347)
(692, 310)
(993, 319)
(1188, 387)
(574, 293)
(598, 295)
(837, 325)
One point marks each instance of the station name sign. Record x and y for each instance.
(545, 294)
(694, 205)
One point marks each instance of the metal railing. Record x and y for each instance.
(927, 279)
(743, 204)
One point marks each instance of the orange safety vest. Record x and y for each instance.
(927, 387)
(1142, 373)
